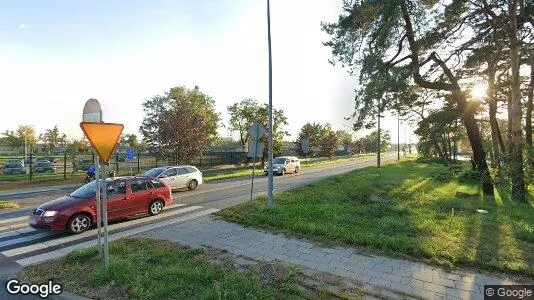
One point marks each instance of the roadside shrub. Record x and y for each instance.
(449, 174)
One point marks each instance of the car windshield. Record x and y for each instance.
(279, 160)
(154, 172)
(13, 165)
(86, 191)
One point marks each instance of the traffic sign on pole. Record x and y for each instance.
(255, 149)
(256, 131)
(305, 145)
(103, 137)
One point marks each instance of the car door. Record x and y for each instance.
(182, 177)
(169, 178)
(142, 195)
(117, 199)
(289, 167)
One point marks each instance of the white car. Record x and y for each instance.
(177, 177)
(284, 164)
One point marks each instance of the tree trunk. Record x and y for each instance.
(492, 103)
(479, 155)
(459, 97)
(530, 105)
(516, 133)
(440, 152)
(528, 116)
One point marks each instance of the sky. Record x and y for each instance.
(55, 55)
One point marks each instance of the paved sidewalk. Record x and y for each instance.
(409, 278)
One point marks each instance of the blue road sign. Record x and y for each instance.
(130, 154)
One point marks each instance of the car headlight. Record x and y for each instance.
(49, 213)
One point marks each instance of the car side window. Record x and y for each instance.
(181, 171)
(156, 183)
(139, 185)
(170, 172)
(191, 170)
(117, 188)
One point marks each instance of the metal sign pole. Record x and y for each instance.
(105, 209)
(98, 208)
(253, 168)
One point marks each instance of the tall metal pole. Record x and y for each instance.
(398, 135)
(98, 208)
(105, 209)
(270, 181)
(253, 168)
(379, 142)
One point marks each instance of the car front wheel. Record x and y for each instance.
(79, 223)
(297, 169)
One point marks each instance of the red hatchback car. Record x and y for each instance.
(127, 196)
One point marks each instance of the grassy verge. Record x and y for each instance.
(247, 171)
(5, 186)
(148, 269)
(4, 204)
(410, 209)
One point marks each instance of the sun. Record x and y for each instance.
(479, 91)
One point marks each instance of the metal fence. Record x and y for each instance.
(75, 166)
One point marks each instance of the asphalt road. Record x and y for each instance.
(21, 245)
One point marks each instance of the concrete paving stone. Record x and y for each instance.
(382, 268)
(425, 294)
(468, 286)
(434, 287)
(406, 289)
(424, 275)
(391, 263)
(309, 264)
(391, 278)
(402, 272)
(379, 282)
(415, 283)
(331, 256)
(311, 257)
(361, 277)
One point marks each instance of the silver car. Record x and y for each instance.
(177, 177)
(283, 165)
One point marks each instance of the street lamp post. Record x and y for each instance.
(270, 203)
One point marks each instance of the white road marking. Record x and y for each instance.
(14, 220)
(26, 239)
(65, 251)
(67, 239)
(16, 232)
(13, 227)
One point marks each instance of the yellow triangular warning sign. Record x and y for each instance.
(103, 137)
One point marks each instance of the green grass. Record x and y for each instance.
(408, 209)
(148, 269)
(5, 204)
(247, 170)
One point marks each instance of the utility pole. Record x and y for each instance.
(270, 187)
(379, 142)
(398, 134)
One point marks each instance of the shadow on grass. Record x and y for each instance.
(405, 209)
